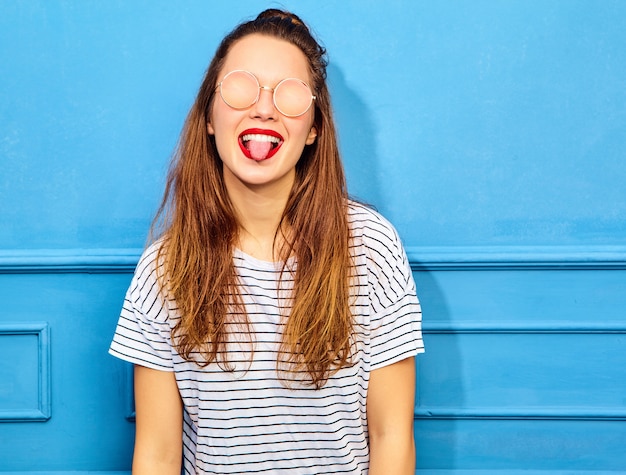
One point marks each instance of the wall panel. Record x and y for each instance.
(525, 362)
(83, 391)
(24, 372)
(500, 387)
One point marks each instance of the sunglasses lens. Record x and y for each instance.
(239, 89)
(292, 97)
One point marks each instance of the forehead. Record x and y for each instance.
(269, 59)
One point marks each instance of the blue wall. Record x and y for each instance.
(492, 134)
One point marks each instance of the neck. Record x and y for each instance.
(259, 211)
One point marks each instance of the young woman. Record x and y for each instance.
(273, 324)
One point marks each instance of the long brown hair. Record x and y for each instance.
(199, 229)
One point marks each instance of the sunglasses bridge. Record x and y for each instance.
(272, 90)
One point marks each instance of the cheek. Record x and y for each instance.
(218, 118)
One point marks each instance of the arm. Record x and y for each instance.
(390, 401)
(158, 438)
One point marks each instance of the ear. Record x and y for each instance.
(209, 128)
(312, 136)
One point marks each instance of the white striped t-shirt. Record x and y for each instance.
(248, 420)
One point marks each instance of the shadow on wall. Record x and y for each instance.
(357, 139)
(438, 387)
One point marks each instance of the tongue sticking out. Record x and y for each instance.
(259, 149)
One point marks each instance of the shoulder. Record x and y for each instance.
(145, 288)
(373, 230)
(367, 221)
(148, 264)
(377, 245)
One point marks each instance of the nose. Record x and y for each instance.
(264, 107)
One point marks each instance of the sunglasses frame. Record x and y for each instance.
(265, 88)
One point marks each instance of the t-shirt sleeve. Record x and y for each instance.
(396, 313)
(143, 333)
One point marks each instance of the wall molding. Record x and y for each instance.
(506, 471)
(516, 257)
(61, 261)
(129, 383)
(42, 411)
(124, 260)
(545, 413)
(523, 412)
(419, 471)
(68, 472)
(544, 326)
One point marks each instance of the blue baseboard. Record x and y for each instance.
(417, 472)
(67, 472)
(517, 472)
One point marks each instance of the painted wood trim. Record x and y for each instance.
(60, 261)
(420, 471)
(517, 257)
(129, 383)
(68, 472)
(555, 327)
(544, 413)
(420, 258)
(594, 413)
(42, 412)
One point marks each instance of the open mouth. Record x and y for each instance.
(258, 144)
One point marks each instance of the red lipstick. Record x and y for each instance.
(260, 144)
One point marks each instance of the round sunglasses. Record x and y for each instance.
(240, 89)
